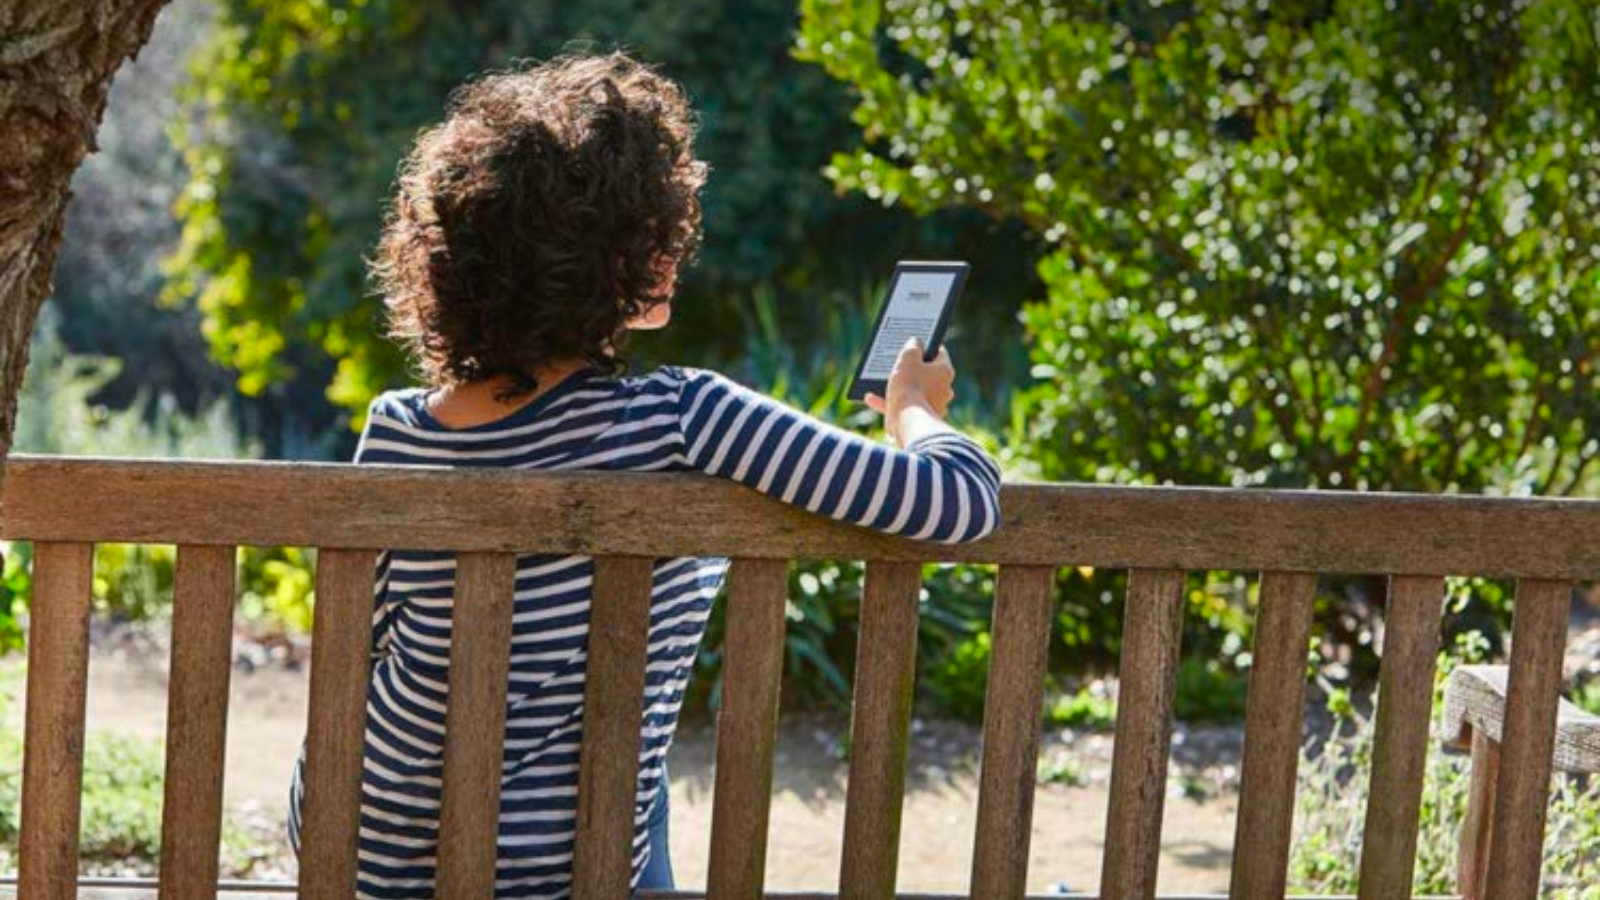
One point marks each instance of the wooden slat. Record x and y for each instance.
(1272, 735)
(613, 705)
(58, 680)
(595, 513)
(197, 721)
(1400, 751)
(747, 728)
(475, 726)
(1472, 863)
(1024, 600)
(330, 815)
(1152, 630)
(880, 726)
(1538, 640)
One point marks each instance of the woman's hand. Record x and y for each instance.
(919, 394)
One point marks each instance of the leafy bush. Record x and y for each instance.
(121, 796)
(1311, 244)
(959, 682)
(277, 587)
(122, 800)
(1088, 708)
(1209, 690)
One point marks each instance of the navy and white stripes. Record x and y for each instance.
(943, 488)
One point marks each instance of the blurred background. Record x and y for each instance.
(1347, 244)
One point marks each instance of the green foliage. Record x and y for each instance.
(121, 796)
(1347, 244)
(120, 224)
(57, 411)
(277, 587)
(959, 681)
(134, 582)
(122, 799)
(1332, 800)
(1209, 690)
(305, 107)
(1088, 708)
(15, 588)
(1587, 696)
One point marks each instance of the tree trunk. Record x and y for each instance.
(57, 58)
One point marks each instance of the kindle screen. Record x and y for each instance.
(920, 297)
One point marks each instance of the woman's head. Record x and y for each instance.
(552, 207)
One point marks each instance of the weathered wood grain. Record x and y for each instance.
(1538, 640)
(880, 726)
(1152, 630)
(1400, 751)
(747, 728)
(197, 721)
(1024, 599)
(1475, 703)
(475, 726)
(330, 817)
(613, 704)
(1477, 830)
(1273, 717)
(58, 682)
(591, 513)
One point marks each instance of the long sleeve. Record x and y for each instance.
(942, 488)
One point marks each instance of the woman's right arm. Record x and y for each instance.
(941, 487)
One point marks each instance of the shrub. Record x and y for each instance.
(1209, 690)
(1087, 708)
(121, 797)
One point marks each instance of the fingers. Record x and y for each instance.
(877, 404)
(912, 350)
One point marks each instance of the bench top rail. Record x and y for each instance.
(428, 508)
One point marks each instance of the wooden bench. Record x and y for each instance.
(625, 520)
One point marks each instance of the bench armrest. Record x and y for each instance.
(1475, 701)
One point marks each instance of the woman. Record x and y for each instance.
(543, 220)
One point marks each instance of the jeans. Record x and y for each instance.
(657, 874)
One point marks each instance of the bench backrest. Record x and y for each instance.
(627, 520)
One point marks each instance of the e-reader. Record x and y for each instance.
(921, 296)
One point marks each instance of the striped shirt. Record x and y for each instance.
(941, 488)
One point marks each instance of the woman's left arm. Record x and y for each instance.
(941, 487)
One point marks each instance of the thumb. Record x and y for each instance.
(876, 404)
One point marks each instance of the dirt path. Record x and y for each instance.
(266, 724)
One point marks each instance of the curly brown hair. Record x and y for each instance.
(553, 204)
